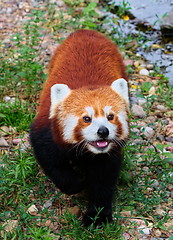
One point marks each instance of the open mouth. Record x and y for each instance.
(101, 144)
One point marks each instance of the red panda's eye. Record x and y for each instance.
(87, 119)
(110, 117)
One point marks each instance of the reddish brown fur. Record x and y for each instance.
(85, 59)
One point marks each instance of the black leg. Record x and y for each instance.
(100, 206)
(101, 180)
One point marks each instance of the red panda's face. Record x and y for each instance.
(96, 119)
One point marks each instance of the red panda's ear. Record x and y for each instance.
(58, 93)
(120, 86)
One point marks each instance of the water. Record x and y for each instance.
(149, 10)
(148, 14)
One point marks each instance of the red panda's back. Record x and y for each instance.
(85, 58)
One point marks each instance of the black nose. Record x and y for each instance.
(103, 132)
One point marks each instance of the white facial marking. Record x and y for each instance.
(107, 110)
(120, 86)
(122, 116)
(70, 123)
(90, 111)
(90, 132)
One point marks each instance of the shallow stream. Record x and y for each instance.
(146, 17)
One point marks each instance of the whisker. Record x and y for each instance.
(80, 147)
(120, 143)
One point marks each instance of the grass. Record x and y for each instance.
(146, 165)
(17, 114)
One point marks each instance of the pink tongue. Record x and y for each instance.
(101, 144)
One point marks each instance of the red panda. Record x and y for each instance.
(82, 120)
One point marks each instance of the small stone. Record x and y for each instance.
(161, 108)
(59, 3)
(128, 62)
(9, 11)
(141, 124)
(169, 139)
(149, 132)
(156, 238)
(135, 130)
(170, 149)
(4, 131)
(171, 213)
(157, 233)
(75, 211)
(133, 100)
(142, 101)
(138, 111)
(7, 98)
(164, 121)
(145, 230)
(151, 71)
(101, 14)
(12, 129)
(47, 204)
(126, 236)
(149, 190)
(6, 41)
(142, 237)
(32, 210)
(139, 222)
(155, 183)
(160, 211)
(161, 138)
(144, 72)
(150, 66)
(143, 65)
(152, 91)
(126, 214)
(24, 146)
(170, 187)
(16, 141)
(10, 225)
(3, 142)
(168, 194)
(138, 141)
(146, 169)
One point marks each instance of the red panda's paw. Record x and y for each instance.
(96, 219)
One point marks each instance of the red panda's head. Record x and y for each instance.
(95, 118)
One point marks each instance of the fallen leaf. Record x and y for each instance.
(126, 18)
(75, 211)
(156, 46)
